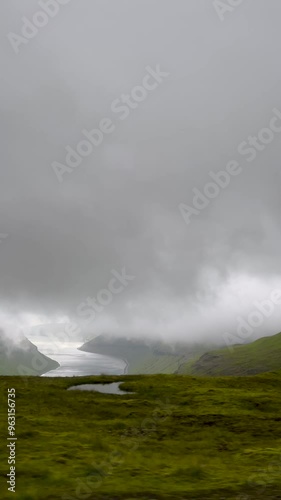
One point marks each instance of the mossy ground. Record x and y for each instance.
(176, 437)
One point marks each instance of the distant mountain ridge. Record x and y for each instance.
(23, 358)
(143, 356)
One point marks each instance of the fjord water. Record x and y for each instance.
(77, 363)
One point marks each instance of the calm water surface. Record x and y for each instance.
(104, 388)
(77, 363)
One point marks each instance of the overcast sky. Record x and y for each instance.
(66, 235)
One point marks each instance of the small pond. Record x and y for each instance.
(112, 388)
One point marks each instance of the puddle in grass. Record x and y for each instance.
(112, 388)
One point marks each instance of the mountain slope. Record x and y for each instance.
(144, 357)
(23, 358)
(260, 356)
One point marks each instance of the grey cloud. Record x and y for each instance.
(120, 206)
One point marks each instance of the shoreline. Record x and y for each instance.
(51, 370)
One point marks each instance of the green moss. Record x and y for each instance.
(177, 437)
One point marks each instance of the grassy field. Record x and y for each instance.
(260, 356)
(176, 437)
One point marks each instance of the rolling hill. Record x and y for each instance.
(263, 355)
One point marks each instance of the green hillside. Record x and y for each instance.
(23, 358)
(260, 356)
